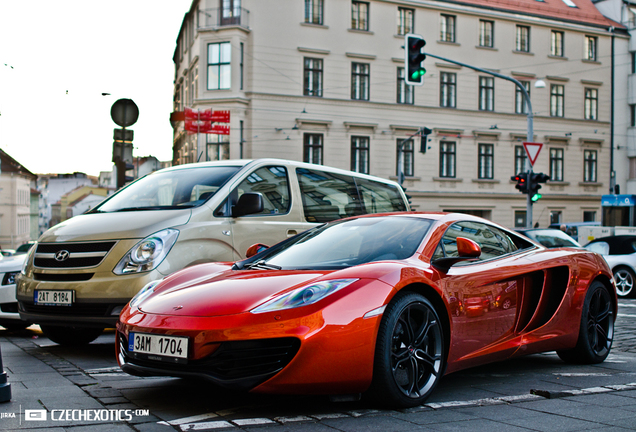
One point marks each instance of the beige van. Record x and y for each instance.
(83, 271)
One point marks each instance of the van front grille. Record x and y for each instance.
(71, 255)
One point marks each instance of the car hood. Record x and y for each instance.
(226, 293)
(115, 226)
(12, 263)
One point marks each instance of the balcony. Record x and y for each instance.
(215, 18)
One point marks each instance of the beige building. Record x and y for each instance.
(16, 183)
(323, 81)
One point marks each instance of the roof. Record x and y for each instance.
(585, 12)
(10, 165)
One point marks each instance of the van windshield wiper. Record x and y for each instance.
(262, 265)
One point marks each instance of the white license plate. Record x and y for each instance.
(159, 345)
(53, 297)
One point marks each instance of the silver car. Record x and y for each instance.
(620, 253)
(9, 270)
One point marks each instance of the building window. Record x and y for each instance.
(405, 20)
(589, 216)
(632, 115)
(556, 164)
(359, 15)
(405, 93)
(520, 104)
(486, 93)
(407, 154)
(447, 89)
(313, 11)
(312, 148)
(360, 154)
(523, 39)
(591, 104)
(359, 81)
(486, 33)
(218, 147)
(555, 217)
(590, 48)
(589, 166)
(230, 12)
(520, 218)
(447, 28)
(633, 56)
(447, 159)
(313, 77)
(242, 66)
(557, 96)
(520, 160)
(219, 69)
(486, 161)
(556, 47)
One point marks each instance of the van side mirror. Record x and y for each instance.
(255, 249)
(467, 250)
(249, 203)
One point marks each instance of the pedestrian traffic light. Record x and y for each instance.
(522, 182)
(413, 58)
(534, 184)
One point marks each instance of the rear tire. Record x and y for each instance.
(597, 328)
(71, 336)
(409, 354)
(625, 278)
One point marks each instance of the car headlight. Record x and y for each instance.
(9, 278)
(148, 253)
(29, 257)
(144, 292)
(303, 296)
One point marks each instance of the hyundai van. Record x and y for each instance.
(82, 272)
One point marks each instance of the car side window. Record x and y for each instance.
(271, 182)
(493, 241)
(327, 196)
(377, 197)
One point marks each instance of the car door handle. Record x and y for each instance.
(291, 233)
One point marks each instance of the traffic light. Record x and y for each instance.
(413, 59)
(535, 184)
(522, 182)
(424, 133)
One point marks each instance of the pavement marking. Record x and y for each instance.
(206, 425)
(625, 315)
(191, 419)
(253, 421)
(590, 374)
(627, 305)
(284, 420)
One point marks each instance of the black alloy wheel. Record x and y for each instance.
(409, 352)
(597, 328)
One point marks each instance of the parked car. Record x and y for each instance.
(572, 228)
(9, 270)
(24, 248)
(83, 271)
(620, 253)
(507, 297)
(7, 252)
(476, 306)
(361, 305)
(549, 237)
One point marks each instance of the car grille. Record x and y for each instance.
(234, 361)
(77, 309)
(62, 277)
(9, 307)
(71, 255)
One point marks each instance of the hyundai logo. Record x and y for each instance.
(62, 255)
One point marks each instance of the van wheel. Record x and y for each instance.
(71, 336)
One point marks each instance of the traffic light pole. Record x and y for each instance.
(529, 116)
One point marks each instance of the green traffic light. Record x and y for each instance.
(536, 197)
(415, 75)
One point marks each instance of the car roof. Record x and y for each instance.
(618, 245)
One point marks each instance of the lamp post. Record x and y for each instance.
(529, 117)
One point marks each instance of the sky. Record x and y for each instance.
(57, 57)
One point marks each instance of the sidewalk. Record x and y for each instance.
(83, 390)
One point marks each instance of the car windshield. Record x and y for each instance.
(174, 189)
(552, 238)
(349, 243)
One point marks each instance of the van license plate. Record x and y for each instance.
(53, 297)
(158, 345)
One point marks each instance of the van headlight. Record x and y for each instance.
(148, 253)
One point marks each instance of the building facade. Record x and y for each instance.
(16, 183)
(52, 187)
(322, 81)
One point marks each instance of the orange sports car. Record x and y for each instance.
(361, 305)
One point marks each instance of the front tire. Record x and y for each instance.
(409, 354)
(624, 277)
(597, 328)
(71, 336)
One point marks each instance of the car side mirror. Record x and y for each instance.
(249, 203)
(255, 249)
(467, 250)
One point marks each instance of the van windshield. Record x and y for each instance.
(175, 189)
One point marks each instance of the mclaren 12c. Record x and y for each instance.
(369, 305)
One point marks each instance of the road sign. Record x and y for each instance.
(532, 150)
(124, 112)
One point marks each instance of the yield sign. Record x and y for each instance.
(532, 150)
